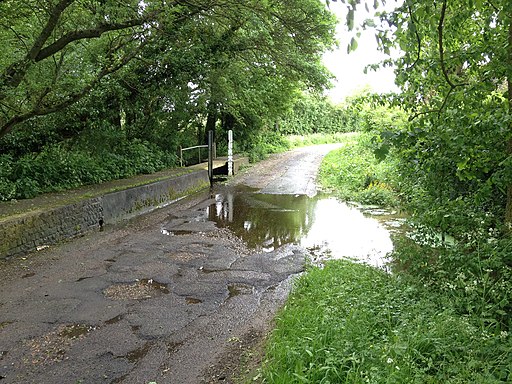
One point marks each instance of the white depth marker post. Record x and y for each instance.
(230, 153)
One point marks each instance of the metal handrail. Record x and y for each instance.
(190, 148)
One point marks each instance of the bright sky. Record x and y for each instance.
(349, 68)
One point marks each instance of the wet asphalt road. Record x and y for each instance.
(165, 298)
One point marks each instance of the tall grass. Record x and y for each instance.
(354, 173)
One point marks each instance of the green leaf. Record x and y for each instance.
(381, 152)
(350, 19)
(353, 44)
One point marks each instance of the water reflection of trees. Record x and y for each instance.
(264, 220)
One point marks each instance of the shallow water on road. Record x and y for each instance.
(327, 227)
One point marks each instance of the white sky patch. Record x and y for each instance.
(349, 68)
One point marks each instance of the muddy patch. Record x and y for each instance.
(240, 361)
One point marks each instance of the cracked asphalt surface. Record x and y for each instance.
(166, 297)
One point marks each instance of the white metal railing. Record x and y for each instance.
(198, 147)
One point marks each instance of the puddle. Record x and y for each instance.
(180, 232)
(267, 221)
(325, 226)
(345, 232)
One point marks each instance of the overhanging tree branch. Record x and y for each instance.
(84, 34)
(14, 74)
(440, 28)
(418, 39)
(72, 98)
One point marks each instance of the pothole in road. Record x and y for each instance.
(193, 300)
(114, 320)
(239, 289)
(138, 354)
(76, 331)
(5, 324)
(179, 232)
(185, 256)
(53, 346)
(139, 290)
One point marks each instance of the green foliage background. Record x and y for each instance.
(106, 97)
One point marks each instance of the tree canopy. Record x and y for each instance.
(117, 81)
(57, 52)
(455, 74)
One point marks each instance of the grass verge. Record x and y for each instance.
(350, 323)
(318, 138)
(354, 174)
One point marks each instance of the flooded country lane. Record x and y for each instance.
(326, 227)
(178, 295)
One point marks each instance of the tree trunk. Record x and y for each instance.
(228, 121)
(211, 121)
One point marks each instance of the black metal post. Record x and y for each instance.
(210, 156)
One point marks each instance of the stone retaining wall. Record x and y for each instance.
(37, 229)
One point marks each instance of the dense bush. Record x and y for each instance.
(266, 143)
(312, 114)
(58, 168)
(476, 276)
